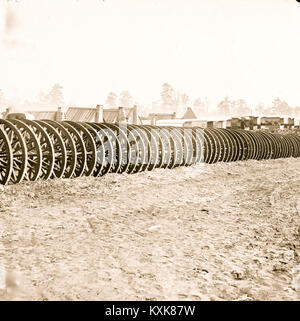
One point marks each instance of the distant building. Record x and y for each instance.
(90, 114)
(189, 114)
(152, 118)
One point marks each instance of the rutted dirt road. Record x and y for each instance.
(229, 231)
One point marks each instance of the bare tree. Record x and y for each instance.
(185, 100)
(111, 100)
(224, 107)
(297, 111)
(55, 96)
(260, 109)
(240, 108)
(199, 106)
(168, 97)
(280, 107)
(125, 99)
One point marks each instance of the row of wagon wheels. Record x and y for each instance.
(45, 149)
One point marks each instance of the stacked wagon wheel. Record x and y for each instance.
(6, 158)
(19, 151)
(90, 146)
(69, 145)
(110, 143)
(46, 149)
(34, 151)
(80, 150)
(59, 149)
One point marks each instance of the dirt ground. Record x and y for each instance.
(228, 231)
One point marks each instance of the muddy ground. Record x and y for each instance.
(228, 231)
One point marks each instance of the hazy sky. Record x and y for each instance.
(207, 48)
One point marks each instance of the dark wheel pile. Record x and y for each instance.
(46, 149)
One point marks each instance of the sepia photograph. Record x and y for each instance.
(149, 152)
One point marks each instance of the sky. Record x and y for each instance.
(206, 48)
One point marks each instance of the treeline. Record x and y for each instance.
(170, 100)
(53, 98)
(173, 100)
(239, 107)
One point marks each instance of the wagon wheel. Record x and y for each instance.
(69, 146)
(255, 144)
(146, 151)
(162, 150)
(268, 138)
(123, 149)
(132, 149)
(245, 144)
(295, 145)
(242, 148)
(153, 147)
(234, 144)
(60, 154)
(46, 147)
(289, 146)
(286, 147)
(179, 146)
(101, 167)
(264, 143)
(250, 143)
(188, 145)
(229, 145)
(180, 143)
(34, 152)
(297, 142)
(139, 144)
(19, 151)
(278, 147)
(194, 146)
(281, 146)
(110, 144)
(90, 147)
(198, 144)
(214, 146)
(169, 159)
(154, 158)
(164, 145)
(174, 146)
(275, 147)
(6, 158)
(80, 150)
(261, 145)
(209, 146)
(201, 144)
